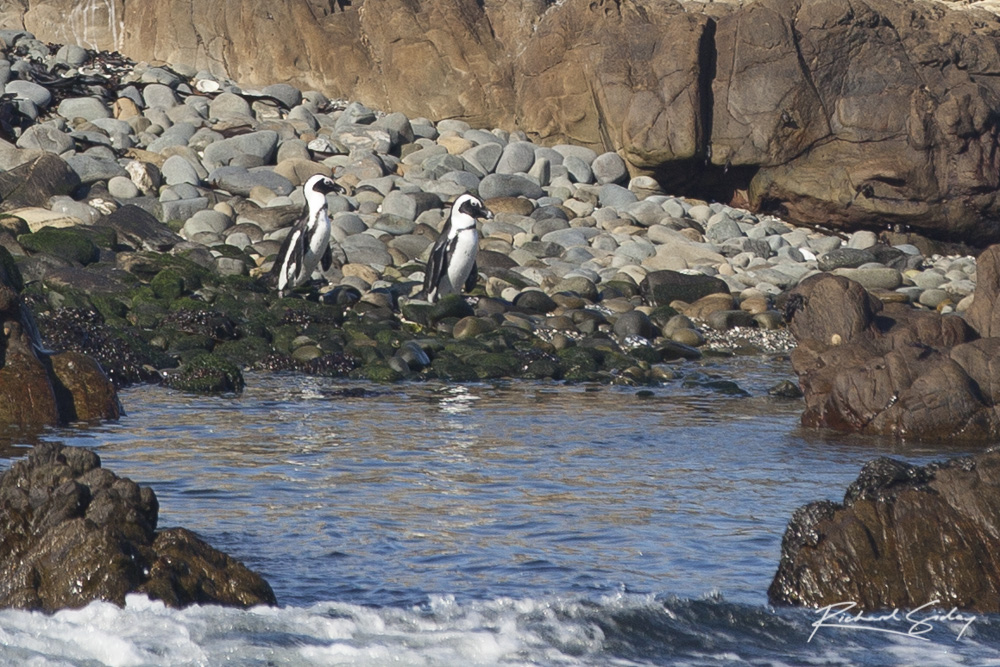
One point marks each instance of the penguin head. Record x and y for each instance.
(466, 209)
(322, 184)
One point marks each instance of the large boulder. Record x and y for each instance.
(38, 388)
(72, 532)
(850, 113)
(890, 369)
(904, 537)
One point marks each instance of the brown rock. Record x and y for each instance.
(905, 536)
(73, 532)
(36, 388)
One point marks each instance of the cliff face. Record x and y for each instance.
(868, 113)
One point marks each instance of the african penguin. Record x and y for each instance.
(452, 264)
(308, 244)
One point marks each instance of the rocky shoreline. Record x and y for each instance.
(142, 207)
(144, 204)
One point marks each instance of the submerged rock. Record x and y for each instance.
(74, 532)
(904, 536)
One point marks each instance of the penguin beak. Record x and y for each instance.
(487, 214)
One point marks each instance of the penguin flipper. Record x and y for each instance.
(288, 263)
(326, 261)
(470, 282)
(435, 268)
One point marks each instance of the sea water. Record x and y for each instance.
(506, 523)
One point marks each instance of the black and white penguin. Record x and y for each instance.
(452, 264)
(308, 244)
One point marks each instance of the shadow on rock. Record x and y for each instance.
(74, 532)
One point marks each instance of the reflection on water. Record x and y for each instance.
(387, 494)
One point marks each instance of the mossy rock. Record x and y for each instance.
(418, 313)
(449, 367)
(650, 355)
(9, 273)
(103, 237)
(450, 306)
(168, 284)
(112, 308)
(492, 365)
(579, 359)
(207, 374)
(367, 352)
(181, 342)
(245, 352)
(282, 337)
(230, 251)
(542, 369)
(376, 372)
(662, 314)
(240, 283)
(69, 243)
(195, 275)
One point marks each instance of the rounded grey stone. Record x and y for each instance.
(509, 185)
(240, 181)
(230, 266)
(206, 221)
(862, 239)
(91, 169)
(177, 170)
(72, 55)
(579, 171)
(366, 249)
(721, 227)
(121, 187)
(567, 238)
(394, 225)
(87, 108)
(409, 205)
(349, 223)
(182, 209)
(29, 90)
(398, 126)
(175, 135)
(615, 196)
(586, 155)
(517, 157)
(285, 93)
(484, 157)
(609, 168)
(238, 240)
(46, 137)
(261, 144)
(229, 105)
(159, 95)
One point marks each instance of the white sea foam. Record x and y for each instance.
(440, 633)
(555, 632)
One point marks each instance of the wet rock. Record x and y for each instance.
(39, 388)
(903, 537)
(890, 370)
(75, 532)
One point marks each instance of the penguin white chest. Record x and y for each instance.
(319, 240)
(461, 259)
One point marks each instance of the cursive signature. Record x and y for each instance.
(915, 623)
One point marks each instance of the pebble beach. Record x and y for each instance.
(574, 253)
